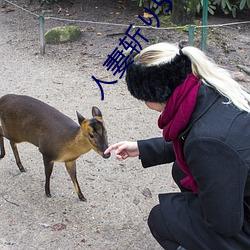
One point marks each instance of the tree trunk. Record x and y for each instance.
(183, 11)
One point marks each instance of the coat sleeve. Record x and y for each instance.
(155, 151)
(220, 173)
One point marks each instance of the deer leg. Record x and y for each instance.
(1, 144)
(18, 161)
(71, 168)
(48, 165)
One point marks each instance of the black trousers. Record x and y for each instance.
(156, 222)
(179, 221)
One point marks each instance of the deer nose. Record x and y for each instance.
(106, 156)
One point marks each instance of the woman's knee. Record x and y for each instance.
(153, 218)
(159, 229)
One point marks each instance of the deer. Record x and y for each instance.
(58, 137)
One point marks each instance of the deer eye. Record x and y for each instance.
(91, 136)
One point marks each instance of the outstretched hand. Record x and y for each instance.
(124, 150)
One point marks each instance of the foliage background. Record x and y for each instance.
(226, 6)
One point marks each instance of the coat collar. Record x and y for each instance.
(205, 99)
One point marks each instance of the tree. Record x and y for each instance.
(183, 11)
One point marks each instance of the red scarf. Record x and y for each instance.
(175, 118)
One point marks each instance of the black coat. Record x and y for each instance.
(216, 145)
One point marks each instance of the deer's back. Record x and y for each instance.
(24, 118)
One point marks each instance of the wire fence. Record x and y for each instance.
(42, 19)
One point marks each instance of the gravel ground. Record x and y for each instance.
(119, 194)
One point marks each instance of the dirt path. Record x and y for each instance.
(115, 214)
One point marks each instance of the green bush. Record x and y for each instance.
(153, 6)
(227, 6)
(211, 7)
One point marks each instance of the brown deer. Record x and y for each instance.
(59, 139)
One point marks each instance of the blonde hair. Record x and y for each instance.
(202, 67)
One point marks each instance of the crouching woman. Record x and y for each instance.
(205, 119)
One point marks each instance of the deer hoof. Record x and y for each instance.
(48, 195)
(82, 198)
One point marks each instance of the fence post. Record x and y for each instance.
(42, 31)
(204, 23)
(191, 35)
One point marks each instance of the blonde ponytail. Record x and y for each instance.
(218, 78)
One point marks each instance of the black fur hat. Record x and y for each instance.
(156, 83)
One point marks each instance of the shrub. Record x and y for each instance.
(227, 6)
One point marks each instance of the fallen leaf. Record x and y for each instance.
(145, 14)
(58, 227)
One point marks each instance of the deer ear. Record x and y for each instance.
(80, 118)
(96, 112)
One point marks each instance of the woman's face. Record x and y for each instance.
(156, 106)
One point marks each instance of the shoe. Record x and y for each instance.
(181, 248)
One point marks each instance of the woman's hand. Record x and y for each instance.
(124, 150)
